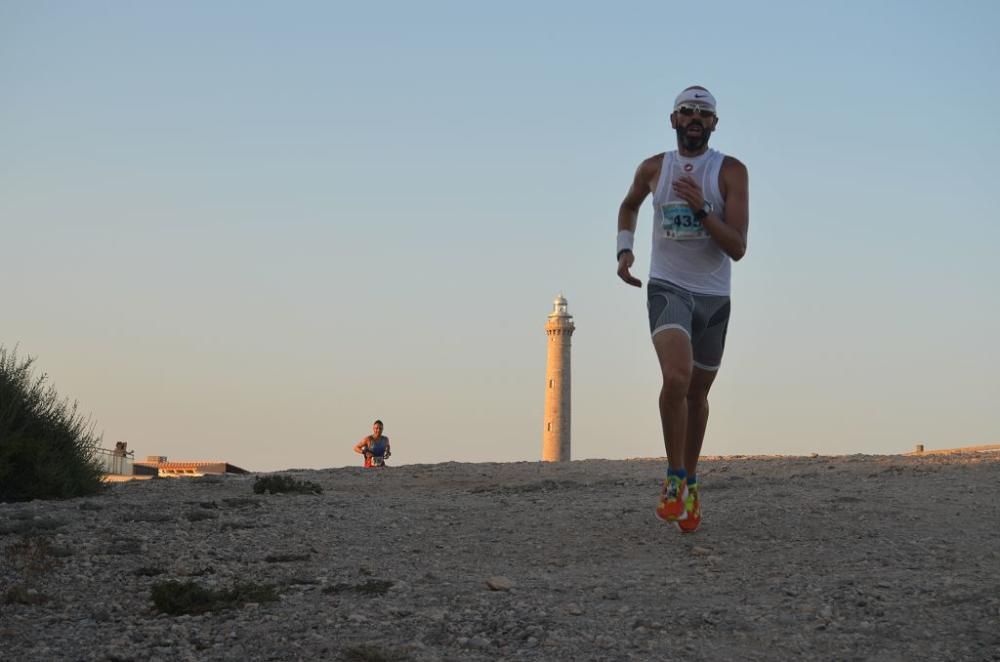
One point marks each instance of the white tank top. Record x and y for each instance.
(683, 252)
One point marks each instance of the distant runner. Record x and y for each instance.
(700, 220)
(374, 447)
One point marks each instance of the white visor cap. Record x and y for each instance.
(695, 96)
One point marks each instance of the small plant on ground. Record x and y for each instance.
(148, 571)
(371, 653)
(46, 445)
(21, 595)
(285, 558)
(32, 555)
(31, 526)
(28, 557)
(178, 598)
(200, 515)
(367, 587)
(242, 502)
(277, 484)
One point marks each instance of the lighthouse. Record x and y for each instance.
(555, 428)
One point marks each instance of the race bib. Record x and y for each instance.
(680, 224)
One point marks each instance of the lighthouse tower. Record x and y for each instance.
(555, 427)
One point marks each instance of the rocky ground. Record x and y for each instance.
(822, 558)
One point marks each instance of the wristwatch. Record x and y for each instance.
(704, 211)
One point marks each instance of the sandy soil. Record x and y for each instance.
(822, 558)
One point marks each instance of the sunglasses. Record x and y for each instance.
(688, 111)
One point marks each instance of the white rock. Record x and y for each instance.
(499, 584)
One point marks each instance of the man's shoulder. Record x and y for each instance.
(650, 167)
(732, 164)
(653, 161)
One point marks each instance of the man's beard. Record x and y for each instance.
(692, 143)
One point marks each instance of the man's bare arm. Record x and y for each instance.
(731, 235)
(628, 212)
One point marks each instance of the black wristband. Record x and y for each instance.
(624, 250)
(700, 214)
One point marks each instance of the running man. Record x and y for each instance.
(700, 220)
(374, 447)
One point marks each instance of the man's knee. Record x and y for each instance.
(676, 384)
(697, 394)
(697, 400)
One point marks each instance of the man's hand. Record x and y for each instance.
(624, 264)
(690, 192)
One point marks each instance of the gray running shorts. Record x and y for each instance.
(703, 317)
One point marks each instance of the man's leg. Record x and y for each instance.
(673, 349)
(697, 416)
(697, 409)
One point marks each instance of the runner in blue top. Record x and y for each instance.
(375, 447)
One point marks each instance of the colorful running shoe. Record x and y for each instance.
(672, 499)
(692, 507)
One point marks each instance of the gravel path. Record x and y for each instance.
(824, 558)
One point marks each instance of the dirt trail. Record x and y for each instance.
(823, 558)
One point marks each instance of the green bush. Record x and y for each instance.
(277, 484)
(46, 446)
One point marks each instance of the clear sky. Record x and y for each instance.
(243, 231)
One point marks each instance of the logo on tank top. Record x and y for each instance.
(688, 167)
